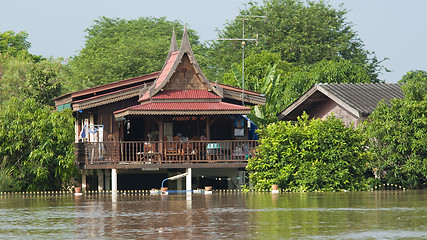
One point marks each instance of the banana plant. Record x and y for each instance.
(269, 85)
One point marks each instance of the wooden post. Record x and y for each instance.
(179, 184)
(208, 128)
(161, 133)
(107, 180)
(198, 126)
(100, 180)
(161, 130)
(84, 184)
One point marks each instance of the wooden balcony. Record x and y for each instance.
(171, 154)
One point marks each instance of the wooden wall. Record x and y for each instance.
(326, 108)
(104, 115)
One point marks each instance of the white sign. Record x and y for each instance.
(239, 132)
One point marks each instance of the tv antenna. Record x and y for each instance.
(243, 40)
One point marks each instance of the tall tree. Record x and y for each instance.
(12, 43)
(415, 87)
(117, 49)
(24, 78)
(23, 74)
(301, 32)
(298, 81)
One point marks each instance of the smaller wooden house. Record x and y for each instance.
(352, 103)
(136, 132)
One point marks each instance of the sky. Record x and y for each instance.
(393, 29)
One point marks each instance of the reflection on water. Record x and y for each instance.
(360, 215)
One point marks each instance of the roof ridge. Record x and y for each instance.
(101, 87)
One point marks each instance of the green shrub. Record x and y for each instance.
(36, 145)
(310, 155)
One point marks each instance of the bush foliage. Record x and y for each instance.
(398, 134)
(36, 149)
(310, 155)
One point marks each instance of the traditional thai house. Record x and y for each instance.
(134, 133)
(350, 102)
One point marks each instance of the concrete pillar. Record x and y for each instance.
(76, 130)
(232, 183)
(100, 179)
(107, 180)
(114, 180)
(179, 184)
(188, 181)
(84, 184)
(92, 122)
(242, 178)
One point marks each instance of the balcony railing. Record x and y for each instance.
(157, 152)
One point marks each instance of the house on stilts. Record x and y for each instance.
(133, 133)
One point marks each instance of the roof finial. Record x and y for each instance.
(185, 44)
(174, 45)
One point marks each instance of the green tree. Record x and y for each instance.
(117, 49)
(296, 82)
(415, 87)
(256, 67)
(23, 74)
(13, 74)
(398, 135)
(12, 43)
(24, 78)
(310, 155)
(302, 33)
(36, 149)
(43, 81)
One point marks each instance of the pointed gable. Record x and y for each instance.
(181, 88)
(181, 72)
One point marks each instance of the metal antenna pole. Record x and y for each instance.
(243, 39)
(243, 62)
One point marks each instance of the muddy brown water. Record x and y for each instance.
(351, 215)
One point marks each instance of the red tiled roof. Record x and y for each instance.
(166, 69)
(145, 96)
(186, 94)
(110, 93)
(185, 106)
(114, 85)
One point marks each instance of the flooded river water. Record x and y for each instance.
(358, 215)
